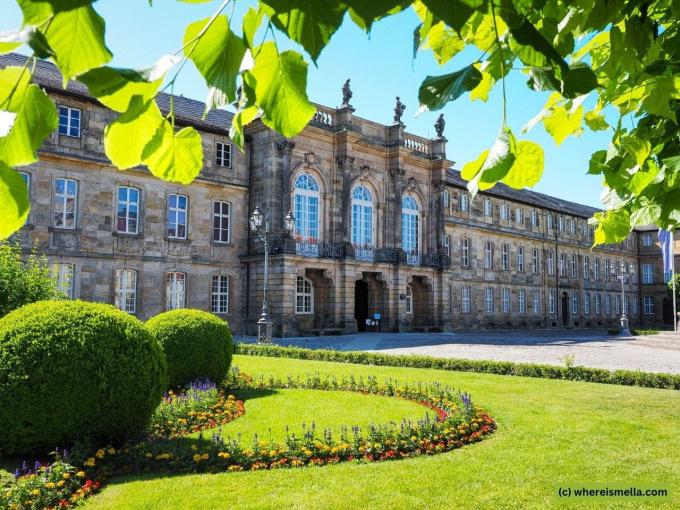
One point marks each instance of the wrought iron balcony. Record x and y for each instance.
(413, 258)
(364, 253)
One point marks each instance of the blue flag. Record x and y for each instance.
(666, 241)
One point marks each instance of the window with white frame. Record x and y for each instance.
(563, 264)
(598, 303)
(520, 259)
(304, 296)
(488, 207)
(549, 220)
(223, 154)
(65, 203)
(306, 199)
(519, 216)
(69, 121)
(465, 252)
(27, 181)
(506, 300)
(647, 273)
(586, 303)
(175, 290)
(488, 255)
(596, 269)
(647, 239)
(446, 199)
(607, 269)
(464, 202)
(551, 262)
(63, 275)
(607, 304)
(551, 302)
(537, 302)
(522, 301)
(127, 213)
(534, 261)
(648, 302)
(574, 303)
(125, 290)
(362, 217)
(586, 267)
(177, 216)
(574, 265)
(409, 299)
(221, 227)
(534, 219)
(572, 227)
(410, 225)
(219, 298)
(561, 223)
(505, 212)
(488, 300)
(505, 257)
(447, 245)
(465, 299)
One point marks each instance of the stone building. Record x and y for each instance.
(385, 234)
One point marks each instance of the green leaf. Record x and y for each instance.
(242, 118)
(612, 226)
(126, 137)
(14, 203)
(176, 157)
(454, 13)
(310, 23)
(560, 123)
(471, 169)
(637, 147)
(38, 11)
(580, 79)
(479, 30)
(596, 121)
(217, 56)
(643, 177)
(36, 118)
(597, 164)
(481, 91)
(436, 91)
(498, 162)
(658, 94)
(365, 12)
(527, 169)
(444, 42)
(646, 215)
(251, 22)
(280, 86)
(77, 38)
(531, 47)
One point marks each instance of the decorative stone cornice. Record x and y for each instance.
(285, 148)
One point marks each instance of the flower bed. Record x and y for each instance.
(451, 421)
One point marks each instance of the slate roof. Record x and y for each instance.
(528, 197)
(187, 111)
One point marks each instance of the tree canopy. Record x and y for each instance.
(625, 54)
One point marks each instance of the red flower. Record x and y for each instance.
(63, 503)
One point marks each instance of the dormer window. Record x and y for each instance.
(69, 121)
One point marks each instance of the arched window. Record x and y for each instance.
(410, 225)
(362, 217)
(304, 296)
(306, 200)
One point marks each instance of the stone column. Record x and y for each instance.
(284, 150)
(345, 167)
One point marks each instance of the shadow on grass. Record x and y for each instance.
(252, 394)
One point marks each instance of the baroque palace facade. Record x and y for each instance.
(385, 235)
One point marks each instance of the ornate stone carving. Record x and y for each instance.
(439, 126)
(346, 95)
(310, 158)
(345, 163)
(411, 184)
(285, 148)
(398, 111)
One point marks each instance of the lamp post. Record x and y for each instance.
(625, 331)
(259, 225)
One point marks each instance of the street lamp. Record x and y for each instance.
(259, 225)
(625, 331)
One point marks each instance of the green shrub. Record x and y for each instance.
(644, 332)
(75, 371)
(23, 282)
(197, 345)
(574, 373)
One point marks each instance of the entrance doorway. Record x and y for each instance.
(361, 304)
(565, 309)
(667, 309)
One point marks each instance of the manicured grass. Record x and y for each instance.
(550, 431)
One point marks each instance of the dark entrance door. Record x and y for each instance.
(565, 309)
(361, 304)
(667, 311)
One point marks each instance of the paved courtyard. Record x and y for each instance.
(655, 353)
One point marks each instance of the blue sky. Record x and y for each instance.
(380, 67)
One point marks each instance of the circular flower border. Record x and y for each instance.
(455, 422)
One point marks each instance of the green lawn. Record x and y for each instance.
(549, 432)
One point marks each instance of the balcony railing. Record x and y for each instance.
(364, 253)
(413, 258)
(307, 248)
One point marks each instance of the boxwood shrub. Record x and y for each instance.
(197, 345)
(75, 371)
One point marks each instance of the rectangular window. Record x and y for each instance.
(519, 216)
(647, 273)
(488, 300)
(598, 303)
(505, 256)
(520, 259)
(488, 255)
(522, 301)
(563, 264)
(488, 207)
(127, 214)
(597, 269)
(69, 121)
(549, 219)
(534, 261)
(534, 219)
(586, 303)
(505, 212)
(607, 304)
(574, 303)
(551, 302)
(551, 262)
(635, 304)
(607, 269)
(447, 245)
(63, 275)
(446, 198)
(221, 219)
(574, 265)
(649, 305)
(465, 299)
(586, 267)
(464, 202)
(537, 302)
(27, 180)
(304, 296)
(561, 223)
(465, 252)
(506, 300)
(177, 216)
(647, 240)
(626, 305)
(65, 203)
(219, 300)
(223, 154)
(125, 290)
(175, 290)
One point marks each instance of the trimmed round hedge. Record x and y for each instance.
(75, 371)
(197, 345)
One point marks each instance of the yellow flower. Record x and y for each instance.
(197, 457)
(90, 462)
(205, 456)
(149, 455)
(193, 446)
(111, 450)
(80, 474)
(50, 485)
(66, 476)
(223, 455)
(100, 453)
(60, 483)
